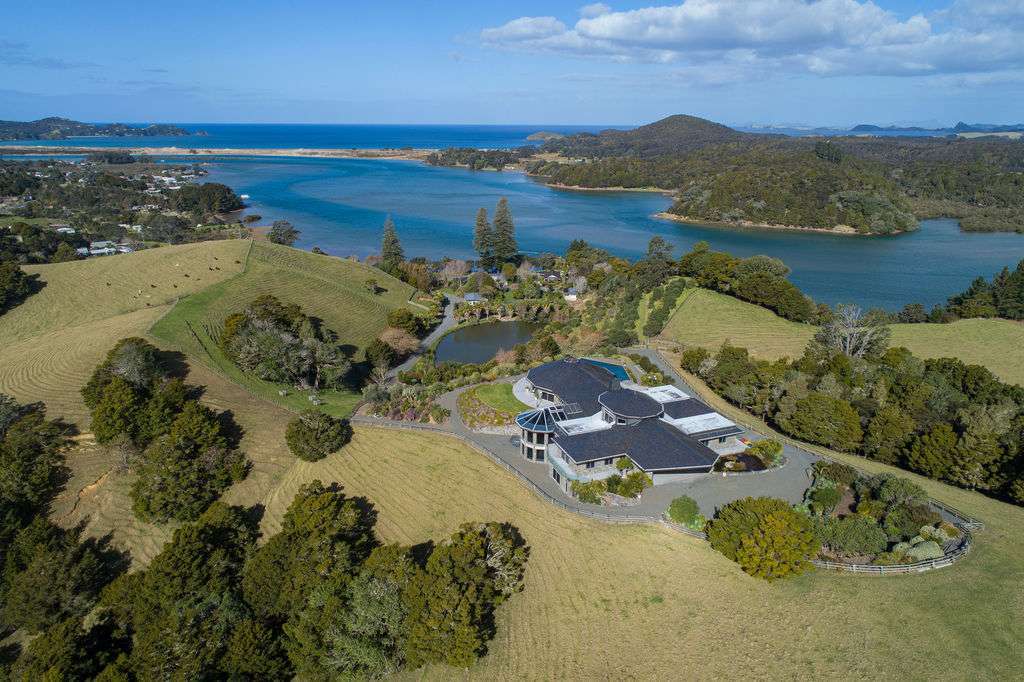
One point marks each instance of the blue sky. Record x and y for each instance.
(826, 62)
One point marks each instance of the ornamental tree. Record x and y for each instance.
(313, 435)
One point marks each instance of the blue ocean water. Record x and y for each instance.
(340, 206)
(328, 136)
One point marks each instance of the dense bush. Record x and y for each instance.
(591, 491)
(684, 510)
(313, 435)
(278, 342)
(15, 285)
(767, 450)
(634, 483)
(854, 535)
(765, 536)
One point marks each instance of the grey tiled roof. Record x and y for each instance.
(574, 381)
(691, 407)
(652, 443)
(716, 433)
(627, 403)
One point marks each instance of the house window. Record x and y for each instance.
(539, 455)
(590, 465)
(722, 440)
(620, 420)
(529, 453)
(555, 475)
(609, 460)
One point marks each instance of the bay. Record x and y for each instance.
(340, 206)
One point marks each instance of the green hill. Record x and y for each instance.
(708, 318)
(679, 134)
(326, 287)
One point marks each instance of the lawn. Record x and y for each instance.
(330, 289)
(708, 318)
(499, 398)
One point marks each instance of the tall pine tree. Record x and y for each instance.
(483, 239)
(392, 255)
(504, 242)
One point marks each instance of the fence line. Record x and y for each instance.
(948, 558)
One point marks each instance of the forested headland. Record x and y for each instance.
(865, 185)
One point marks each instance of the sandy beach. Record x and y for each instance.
(397, 154)
(843, 230)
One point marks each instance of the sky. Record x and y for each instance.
(741, 62)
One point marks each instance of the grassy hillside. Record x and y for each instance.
(601, 601)
(329, 288)
(98, 288)
(708, 318)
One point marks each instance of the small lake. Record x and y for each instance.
(481, 342)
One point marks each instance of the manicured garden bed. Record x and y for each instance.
(489, 406)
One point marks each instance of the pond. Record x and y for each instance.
(481, 342)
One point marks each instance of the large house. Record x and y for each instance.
(588, 415)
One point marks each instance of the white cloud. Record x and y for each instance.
(820, 37)
(595, 9)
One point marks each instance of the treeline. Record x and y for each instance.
(759, 279)
(98, 200)
(480, 159)
(321, 599)
(1002, 297)
(944, 419)
(184, 454)
(876, 185)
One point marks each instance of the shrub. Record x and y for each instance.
(895, 491)
(824, 420)
(613, 482)
(692, 358)
(767, 450)
(892, 558)
(684, 510)
(854, 534)
(765, 536)
(313, 435)
(824, 499)
(904, 521)
(929, 549)
(589, 492)
(840, 474)
(634, 483)
(623, 464)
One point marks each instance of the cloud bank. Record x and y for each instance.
(736, 39)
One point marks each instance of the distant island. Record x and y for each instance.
(56, 128)
(543, 136)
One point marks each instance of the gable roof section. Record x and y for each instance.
(653, 444)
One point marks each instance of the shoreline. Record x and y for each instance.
(841, 230)
(580, 188)
(398, 154)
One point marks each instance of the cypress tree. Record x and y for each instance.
(392, 255)
(504, 244)
(483, 239)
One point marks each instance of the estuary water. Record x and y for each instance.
(340, 206)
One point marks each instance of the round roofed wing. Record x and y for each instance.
(623, 402)
(538, 421)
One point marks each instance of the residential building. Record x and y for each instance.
(588, 415)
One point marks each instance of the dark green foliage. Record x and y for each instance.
(15, 285)
(828, 421)
(824, 499)
(69, 650)
(765, 536)
(404, 319)
(380, 354)
(391, 253)
(634, 483)
(483, 239)
(854, 535)
(840, 474)
(684, 510)
(776, 294)
(323, 539)
(116, 411)
(693, 357)
(479, 159)
(206, 199)
(904, 521)
(31, 465)
(450, 604)
(254, 651)
(283, 232)
(503, 240)
(666, 306)
(134, 360)
(278, 342)
(184, 471)
(1002, 297)
(313, 435)
(185, 608)
(51, 575)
